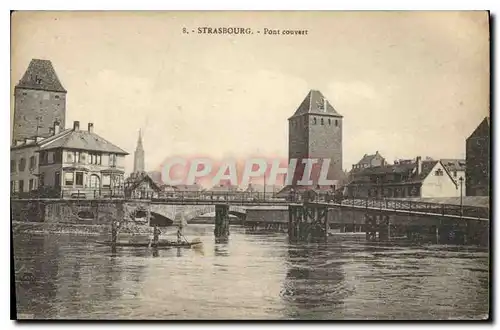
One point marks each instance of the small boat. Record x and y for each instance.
(147, 244)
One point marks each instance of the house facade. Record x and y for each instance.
(407, 178)
(70, 163)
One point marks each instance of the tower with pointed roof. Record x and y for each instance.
(139, 156)
(315, 131)
(39, 101)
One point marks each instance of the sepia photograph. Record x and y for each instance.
(250, 165)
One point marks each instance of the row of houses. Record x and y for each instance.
(374, 177)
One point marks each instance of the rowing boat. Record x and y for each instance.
(147, 244)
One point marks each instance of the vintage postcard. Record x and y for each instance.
(307, 165)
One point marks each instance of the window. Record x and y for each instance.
(41, 180)
(454, 174)
(77, 156)
(21, 186)
(12, 165)
(69, 157)
(314, 121)
(336, 122)
(50, 157)
(57, 97)
(83, 157)
(13, 186)
(24, 93)
(22, 164)
(57, 179)
(32, 162)
(43, 157)
(31, 185)
(106, 180)
(439, 172)
(322, 122)
(79, 178)
(68, 178)
(112, 160)
(329, 121)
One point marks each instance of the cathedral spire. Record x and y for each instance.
(139, 155)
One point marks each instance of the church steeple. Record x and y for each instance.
(139, 155)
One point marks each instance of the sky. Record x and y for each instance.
(407, 83)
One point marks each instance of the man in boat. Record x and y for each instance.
(115, 226)
(156, 235)
(179, 234)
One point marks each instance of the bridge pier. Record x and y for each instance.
(307, 222)
(221, 230)
(371, 227)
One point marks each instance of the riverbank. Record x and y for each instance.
(76, 229)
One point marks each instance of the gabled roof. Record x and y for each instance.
(83, 140)
(454, 164)
(367, 159)
(137, 178)
(41, 75)
(316, 103)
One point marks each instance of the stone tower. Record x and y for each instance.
(139, 156)
(39, 101)
(315, 131)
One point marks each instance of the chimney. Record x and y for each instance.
(76, 126)
(51, 130)
(57, 127)
(91, 128)
(419, 165)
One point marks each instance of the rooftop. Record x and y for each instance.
(316, 103)
(41, 75)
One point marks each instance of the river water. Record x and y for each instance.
(254, 276)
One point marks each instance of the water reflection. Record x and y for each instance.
(314, 286)
(258, 276)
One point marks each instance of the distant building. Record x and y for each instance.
(405, 178)
(477, 155)
(369, 161)
(259, 188)
(456, 168)
(39, 101)
(139, 156)
(69, 163)
(141, 185)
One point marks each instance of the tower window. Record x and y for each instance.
(314, 121)
(336, 122)
(322, 122)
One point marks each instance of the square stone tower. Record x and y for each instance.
(40, 100)
(315, 131)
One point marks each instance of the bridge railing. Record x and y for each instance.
(417, 206)
(71, 193)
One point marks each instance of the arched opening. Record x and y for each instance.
(94, 181)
